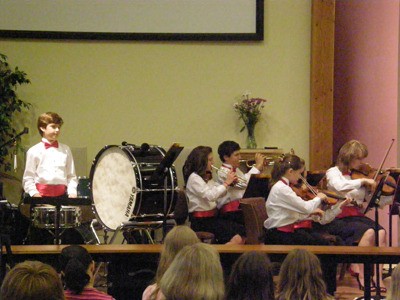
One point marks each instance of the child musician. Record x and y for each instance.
(50, 172)
(229, 154)
(203, 194)
(50, 169)
(339, 180)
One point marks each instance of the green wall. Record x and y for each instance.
(165, 92)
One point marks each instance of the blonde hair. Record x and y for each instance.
(195, 274)
(300, 277)
(179, 237)
(350, 151)
(394, 289)
(32, 280)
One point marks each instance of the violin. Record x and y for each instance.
(366, 171)
(305, 191)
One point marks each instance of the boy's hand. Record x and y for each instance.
(37, 195)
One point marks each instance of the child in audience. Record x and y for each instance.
(394, 289)
(32, 280)
(195, 274)
(358, 228)
(203, 194)
(175, 240)
(77, 269)
(251, 278)
(300, 277)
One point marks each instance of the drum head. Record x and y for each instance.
(113, 183)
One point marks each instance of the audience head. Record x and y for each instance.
(76, 265)
(32, 280)
(197, 162)
(179, 237)
(251, 278)
(48, 118)
(394, 289)
(194, 274)
(301, 277)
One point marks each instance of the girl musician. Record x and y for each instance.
(203, 194)
(286, 211)
(358, 228)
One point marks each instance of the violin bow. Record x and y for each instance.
(383, 161)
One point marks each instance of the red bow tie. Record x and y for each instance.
(47, 145)
(234, 169)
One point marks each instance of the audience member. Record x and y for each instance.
(394, 287)
(195, 274)
(251, 278)
(32, 280)
(179, 237)
(77, 269)
(301, 277)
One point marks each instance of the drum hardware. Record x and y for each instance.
(58, 202)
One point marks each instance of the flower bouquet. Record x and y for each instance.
(249, 110)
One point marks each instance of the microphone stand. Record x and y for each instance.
(14, 139)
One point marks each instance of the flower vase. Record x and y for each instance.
(251, 139)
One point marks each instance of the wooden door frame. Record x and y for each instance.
(322, 83)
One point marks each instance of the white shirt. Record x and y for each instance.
(49, 166)
(352, 188)
(284, 207)
(203, 195)
(233, 192)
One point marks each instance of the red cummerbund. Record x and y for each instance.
(205, 214)
(51, 190)
(287, 228)
(230, 207)
(349, 211)
(303, 224)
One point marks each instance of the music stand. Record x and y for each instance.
(374, 203)
(161, 174)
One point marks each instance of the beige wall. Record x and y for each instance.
(165, 92)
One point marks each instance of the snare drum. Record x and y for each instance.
(121, 188)
(44, 217)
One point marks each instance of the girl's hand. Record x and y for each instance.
(322, 196)
(369, 182)
(318, 212)
(345, 202)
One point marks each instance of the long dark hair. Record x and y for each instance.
(74, 262)
(251, 278)
(196, 162)
(282, 164)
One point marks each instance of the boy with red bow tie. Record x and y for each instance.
(50, 169)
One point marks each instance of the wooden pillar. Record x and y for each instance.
(322, 72)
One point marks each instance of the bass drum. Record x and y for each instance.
(121, 188)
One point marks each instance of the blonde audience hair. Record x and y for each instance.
(348, 152)
(32, 280)
(300, 277)
(195, 274)
(394, 289)
(179, 237)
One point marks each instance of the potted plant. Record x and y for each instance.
(10, 106)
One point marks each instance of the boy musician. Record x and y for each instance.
(49, 170)
(229, 154)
